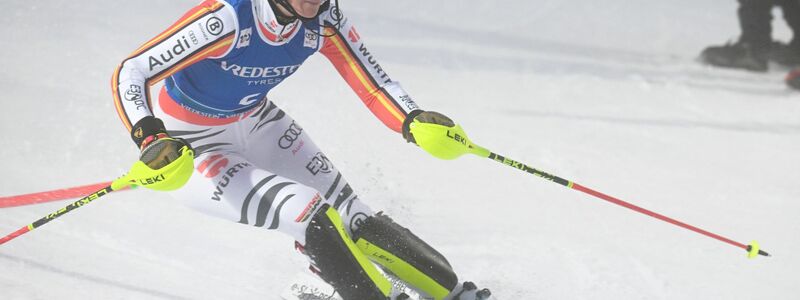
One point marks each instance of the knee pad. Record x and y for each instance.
(339, 260)
(407, 256)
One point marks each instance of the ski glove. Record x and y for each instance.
(422, 116)
(146, 128)
(165, 163)
(160, 150)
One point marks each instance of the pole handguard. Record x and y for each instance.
(168, 178)
(444, 142)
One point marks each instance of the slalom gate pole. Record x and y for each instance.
(752, 249)
(83, 201)
(53, 195)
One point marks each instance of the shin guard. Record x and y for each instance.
(407, 256)
(339, 260)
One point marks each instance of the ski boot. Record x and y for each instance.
(740, 55)
(787, 55)
(405, 256)
(339, 262)
(342, 264)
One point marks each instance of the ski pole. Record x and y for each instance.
(83, 201)
(752, 249)
(167, 178)
(451, 142)
(53, 195)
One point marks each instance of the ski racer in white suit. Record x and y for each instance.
(204, 83)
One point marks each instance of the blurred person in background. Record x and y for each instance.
(755, 47)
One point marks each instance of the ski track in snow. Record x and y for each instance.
(33, 265)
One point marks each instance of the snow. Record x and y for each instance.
(605, 93)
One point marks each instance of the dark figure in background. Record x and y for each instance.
(755, 46)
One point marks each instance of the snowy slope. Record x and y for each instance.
(606, 93)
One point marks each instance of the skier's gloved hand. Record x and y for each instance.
(146, 128)
(421, 116)
(437, 134)
(159, 150)
(165, 163)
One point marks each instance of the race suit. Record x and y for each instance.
(255, 165)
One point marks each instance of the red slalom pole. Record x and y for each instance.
(752, 249)
(54, 195)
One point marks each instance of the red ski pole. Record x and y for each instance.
(450, 142)
(752, 249)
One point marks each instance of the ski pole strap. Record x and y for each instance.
(752, 249)
(83, 201)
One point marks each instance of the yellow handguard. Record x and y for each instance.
(168, 178)
(444, 142)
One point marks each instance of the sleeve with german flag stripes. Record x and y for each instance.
(357, 65)
(207, 30)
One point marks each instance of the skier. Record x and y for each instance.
(211, 72)
(755, 46)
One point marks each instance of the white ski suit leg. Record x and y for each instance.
(259, 169)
